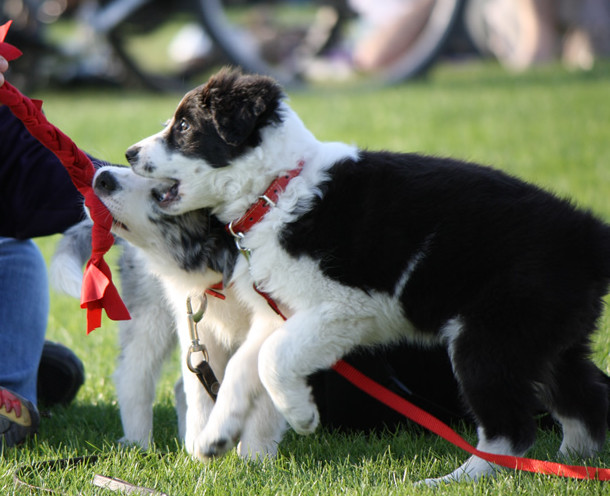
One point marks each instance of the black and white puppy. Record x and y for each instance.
(167, 259)
(368, 248)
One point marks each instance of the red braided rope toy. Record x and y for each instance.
(98, 290)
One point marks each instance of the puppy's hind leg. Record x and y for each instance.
(578, 398)
(263, 430)
(499, 393)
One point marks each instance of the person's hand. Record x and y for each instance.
(3, 69)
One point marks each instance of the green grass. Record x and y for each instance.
(547, 126)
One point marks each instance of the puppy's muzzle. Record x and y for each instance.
(106, 184)
(132, 154)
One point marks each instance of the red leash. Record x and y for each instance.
(392, 400)
(441, 429)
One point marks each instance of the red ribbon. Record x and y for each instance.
(98, 290)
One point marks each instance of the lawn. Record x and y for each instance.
(548, 126)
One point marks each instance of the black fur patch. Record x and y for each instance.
(521, 271)
(475, 228)
(197, 241)
(222, 119)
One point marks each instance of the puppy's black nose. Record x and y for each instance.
(105, 183)
(132, 154)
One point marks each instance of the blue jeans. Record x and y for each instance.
(24, 310)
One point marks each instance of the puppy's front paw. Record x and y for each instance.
(303, 420)
(257, 451)
(214, 444)
(128, 443)
(190, 443)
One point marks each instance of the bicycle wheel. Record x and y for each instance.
(152, 44)
(299, 41)
(161, 45)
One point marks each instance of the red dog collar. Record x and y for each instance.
(267, 200)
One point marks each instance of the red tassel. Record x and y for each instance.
(9, 52)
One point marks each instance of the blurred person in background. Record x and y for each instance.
(524, 33)
(519, 33)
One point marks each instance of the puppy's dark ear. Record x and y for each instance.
(239, 104)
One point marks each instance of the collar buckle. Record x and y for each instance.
(269, 201)
(237, 228)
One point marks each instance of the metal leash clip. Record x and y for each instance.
(193, 320)
(202, 370)
(238, 238)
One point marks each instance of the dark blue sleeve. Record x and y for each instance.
(37, 194)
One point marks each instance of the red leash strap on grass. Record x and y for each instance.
(98, 290)
(431, 423)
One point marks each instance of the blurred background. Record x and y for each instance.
(168, 45)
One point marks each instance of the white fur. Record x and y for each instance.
(66, 275)
(577, 439)
(449, 333)
(476, 468)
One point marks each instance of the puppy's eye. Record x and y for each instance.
(183, 125)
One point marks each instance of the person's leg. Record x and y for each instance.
(24, 308)
(519, 33)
